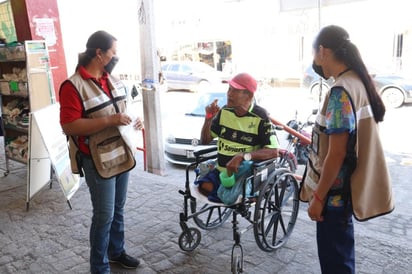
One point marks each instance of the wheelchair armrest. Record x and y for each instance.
(263, 163)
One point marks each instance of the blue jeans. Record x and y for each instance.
(108, 198)
(336, 241)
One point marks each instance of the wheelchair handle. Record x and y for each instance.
(204, 151)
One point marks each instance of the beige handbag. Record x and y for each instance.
(110, 153)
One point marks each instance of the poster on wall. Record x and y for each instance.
(45, 29)
(39, 74)
(55, 142)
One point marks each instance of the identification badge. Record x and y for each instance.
(315, 141)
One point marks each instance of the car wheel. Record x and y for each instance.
(203, 86)
(315, 90)
(392, 97)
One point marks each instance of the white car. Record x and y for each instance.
(184, 137)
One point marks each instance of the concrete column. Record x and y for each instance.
(150, 64)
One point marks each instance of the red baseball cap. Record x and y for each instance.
(243, 81)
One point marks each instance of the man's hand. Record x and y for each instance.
(212, 109)
(233, 165)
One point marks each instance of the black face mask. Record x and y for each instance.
(110, 66)
(318, 69)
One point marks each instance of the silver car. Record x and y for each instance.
(193, 76)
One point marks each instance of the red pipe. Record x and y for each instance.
(143, 149)
(303, 139)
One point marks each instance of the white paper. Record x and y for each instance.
(130, 135)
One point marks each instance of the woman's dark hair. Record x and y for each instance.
(98, 40)
(337, 39)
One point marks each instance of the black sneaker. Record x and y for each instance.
(125, 261)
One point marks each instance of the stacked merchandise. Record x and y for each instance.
(11, 51)
(16, 112)
(14, 83)
(17, 148)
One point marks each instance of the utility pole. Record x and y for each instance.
(150, 69)
(319, 28)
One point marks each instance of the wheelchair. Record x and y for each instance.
(271, 212)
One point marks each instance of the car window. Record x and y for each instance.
(204, 99)
(185, 68)
(173, 67)
(202, 67)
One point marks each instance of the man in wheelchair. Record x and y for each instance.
(244, 132)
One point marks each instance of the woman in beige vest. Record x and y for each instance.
(92, 106)
(341, 180)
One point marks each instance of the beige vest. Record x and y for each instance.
(108, 150)
(371, 189)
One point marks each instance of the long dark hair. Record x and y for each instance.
(337, 39)
(98, 40)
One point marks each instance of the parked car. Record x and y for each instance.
(311, 81)
(183, 138)
(193, 76)
(395, 90)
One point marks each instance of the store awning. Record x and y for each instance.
(289, 5)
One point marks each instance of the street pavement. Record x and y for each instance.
(52, 238)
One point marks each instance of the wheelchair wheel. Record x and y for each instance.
(237, 259)
(189, 239)
(276, 210)
(287, 161)
(211, 218)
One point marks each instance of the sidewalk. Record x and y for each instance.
(51, 238)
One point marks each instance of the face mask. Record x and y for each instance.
(318, 69)
(110, 66)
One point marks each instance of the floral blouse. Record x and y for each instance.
(340, 117)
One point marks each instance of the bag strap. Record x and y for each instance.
(77, 155)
